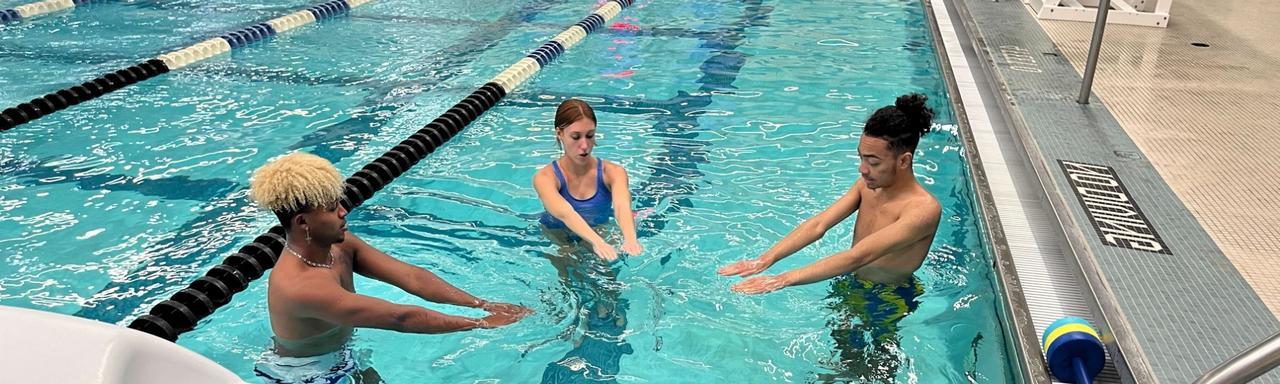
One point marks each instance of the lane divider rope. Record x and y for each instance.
(92, 89)
(30, 10)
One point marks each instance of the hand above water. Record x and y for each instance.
(761, 284)
(745, 268)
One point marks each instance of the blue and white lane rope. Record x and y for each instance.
(516, 74)
(257, 32)
(30, 10)
(183, 310)
(89, 90)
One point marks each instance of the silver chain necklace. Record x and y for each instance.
(309, 262)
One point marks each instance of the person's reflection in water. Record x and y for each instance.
(601, 320)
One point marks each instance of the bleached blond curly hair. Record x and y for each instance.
(296, 182)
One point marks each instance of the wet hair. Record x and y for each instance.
(572, 110)
(295, 183)
(902, 123)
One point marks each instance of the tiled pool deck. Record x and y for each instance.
(1164, 184)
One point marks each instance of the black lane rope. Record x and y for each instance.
(92, 89)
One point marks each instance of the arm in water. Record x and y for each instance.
(618, 186)
(804, 234)
(333, 304)
(913, 226)
(372, 263)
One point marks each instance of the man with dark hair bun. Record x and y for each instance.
(875, 280)
(896, 222)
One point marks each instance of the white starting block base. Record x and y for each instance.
(1149, 13)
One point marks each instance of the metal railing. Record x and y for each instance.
(1249, 364)
(1094, 46)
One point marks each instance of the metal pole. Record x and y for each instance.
(1094, 46)
(1247, 365)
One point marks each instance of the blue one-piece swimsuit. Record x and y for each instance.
(596, 210)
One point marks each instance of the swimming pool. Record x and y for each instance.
(736, 121)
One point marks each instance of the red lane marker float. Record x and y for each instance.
(619, 75)
(621, 26)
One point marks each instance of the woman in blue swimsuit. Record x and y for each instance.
(578, 190)
(580, 193)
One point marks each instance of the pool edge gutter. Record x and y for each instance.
(1020, 338)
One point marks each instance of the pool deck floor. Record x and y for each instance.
(1165, 185)
(1208, 118)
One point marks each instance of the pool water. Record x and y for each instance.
(736, 120)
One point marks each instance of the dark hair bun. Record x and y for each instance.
(913, 107)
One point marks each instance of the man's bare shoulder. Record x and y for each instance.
(350, 246)
(858, 186)
(858, 189)
(925, 204)
(301, 287)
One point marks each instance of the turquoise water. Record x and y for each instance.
(736, 122)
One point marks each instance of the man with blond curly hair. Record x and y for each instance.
(310, 295)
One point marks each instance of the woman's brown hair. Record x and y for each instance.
(572, 110)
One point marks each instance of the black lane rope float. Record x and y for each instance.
(92, 89)
(180, 313)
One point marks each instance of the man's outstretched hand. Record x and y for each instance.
(501, 314)
(761, 284)
(745, 268)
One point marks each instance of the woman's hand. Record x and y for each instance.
(604, 250)
(632, 247)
